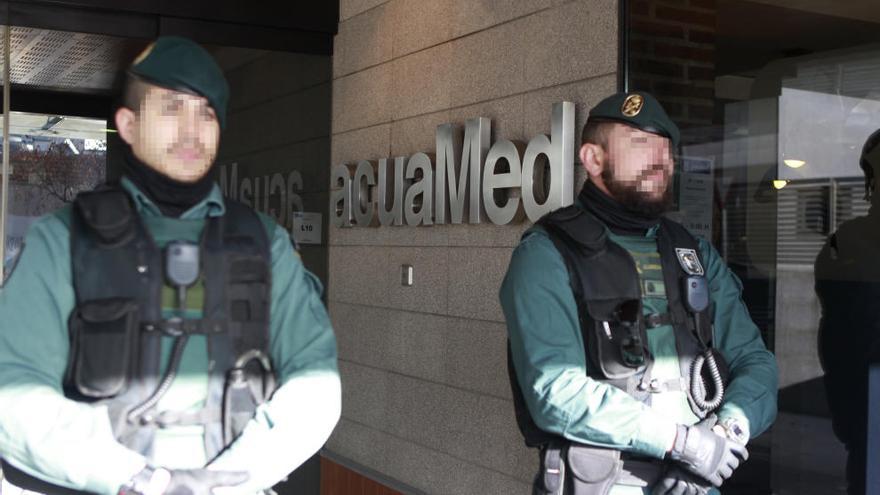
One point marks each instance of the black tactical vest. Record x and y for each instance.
(607, 290)
(117, 326)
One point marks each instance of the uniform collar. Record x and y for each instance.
(617, 217)
(650, 233)
(211, 206)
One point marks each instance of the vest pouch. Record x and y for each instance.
(616, 340)
(551, 476)
(250, 383)
(631, 346)
(102, 334)
(592, 470)
(239, 404)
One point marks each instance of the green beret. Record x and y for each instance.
(182, 65)
(639, 110)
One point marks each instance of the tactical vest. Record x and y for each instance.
(606, 286)
(117, 326)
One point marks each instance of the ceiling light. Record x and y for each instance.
(779, 184)
(795, 163)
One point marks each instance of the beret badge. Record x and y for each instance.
(632, 105)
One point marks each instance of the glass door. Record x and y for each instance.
(51, 159)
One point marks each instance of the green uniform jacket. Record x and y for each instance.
(551, 367)
(71, 444)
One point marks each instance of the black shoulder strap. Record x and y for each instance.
(107, 236)
(107, 212)
(238, 254)
(575, 234)
(600, 271)
(245, 233)
(242, 221)
(671, 237)
(578, 227)
(236, 246)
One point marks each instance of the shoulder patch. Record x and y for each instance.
(689, 261)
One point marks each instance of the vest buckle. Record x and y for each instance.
(174, 327)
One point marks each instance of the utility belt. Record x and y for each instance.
(578, 469)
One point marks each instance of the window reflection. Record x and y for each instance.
(52, 158)
(776, 100)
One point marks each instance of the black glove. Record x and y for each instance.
(160, 481)
(202, 481)
(705, 453)
(677, 481)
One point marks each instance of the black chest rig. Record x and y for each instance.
(607, 289)
(117, 326)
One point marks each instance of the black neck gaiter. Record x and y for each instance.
(613, 214)
(172, 197)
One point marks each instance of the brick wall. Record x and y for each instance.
(672, 55)
(339, 480)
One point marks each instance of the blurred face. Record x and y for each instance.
(175, 133)
(634, 168)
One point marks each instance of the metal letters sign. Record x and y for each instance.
(468, 181)
(256, 192)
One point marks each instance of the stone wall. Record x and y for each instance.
(426, 401)
(277, 143)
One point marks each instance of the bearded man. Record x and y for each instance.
(634, 363)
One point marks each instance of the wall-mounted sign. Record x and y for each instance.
(306, 227)
(276, 195)
(695, 203)
(696, 193)
(469, 181)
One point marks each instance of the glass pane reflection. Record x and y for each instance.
(776, 100)
(52, 158)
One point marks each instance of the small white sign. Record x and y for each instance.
(95, 144)
(307, 227)
(695, 203)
